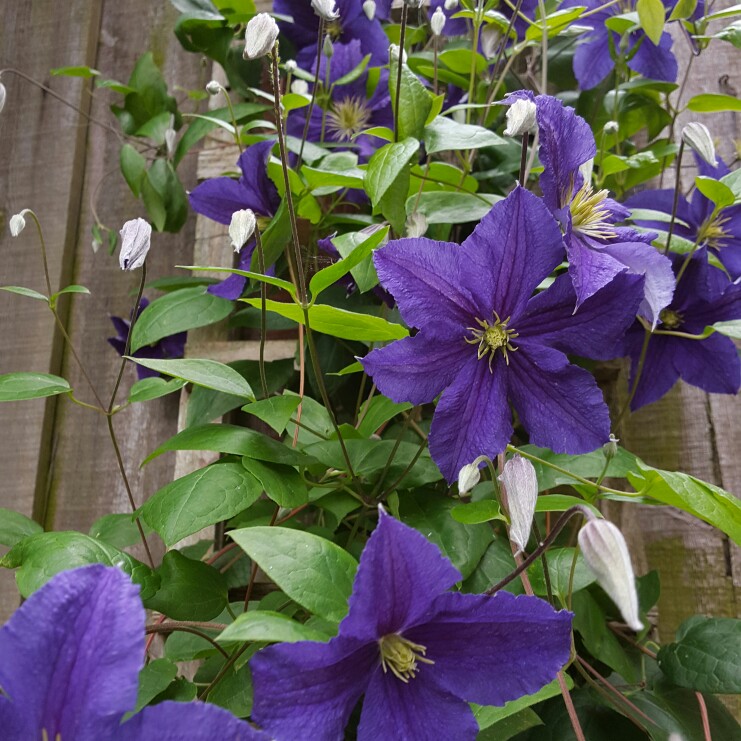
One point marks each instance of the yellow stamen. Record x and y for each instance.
(670, 319)
(712, 232)
(400, 655)
(589, 215)
(347, 118)
(492, 337)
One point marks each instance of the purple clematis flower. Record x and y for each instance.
(595, 56)
(704, 296)
(416, 650)
(597, 249)
(696, 219)
(219, 198)
(462, 26)
(168, 348)
(349, 111)
(484, 342)
(69, 663)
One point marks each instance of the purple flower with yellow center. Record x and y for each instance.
(69, 664)
(484, 341)
(417, 651)
(704, 296)
(595, 57)
(219, 198)
(596, 247)
(696, 219)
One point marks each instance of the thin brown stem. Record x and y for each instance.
(263, 313)
(402, 39)
(305, 134)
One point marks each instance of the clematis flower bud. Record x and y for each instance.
(451, 4)
(697, 136)
(437, 22)
(326, 10)
(606, 554)
(394, 53)
(136, 236)
(327, 48)
(521, 483)
(416, 224)
(470, 475)
(242, 227)
(611, 127)
(610, 448)
(3, 95)
(300, 87)
(490, 40)
(213, 88)
(260, 36)
(520, 118)
(413, 3)
(17, 223)
(290, 65)
(170, 136)
(369, 8)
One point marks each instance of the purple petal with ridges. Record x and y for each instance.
(399, 576)
(654, 62)
(659, 373)
(590, 269)
(472, 417)
(560, 405)
(491, 650)
(418, 711)
(308, 690)
(711, 364)
(261, 195)
(218, 199)
(593, 61)
(60, 666)
(685, 224)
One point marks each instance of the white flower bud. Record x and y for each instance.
(290, 65)
(326, 10)
(490, 41)
(136, 236)
(586, 169)
(170, 135)
(437, 22)
(300, 87)
(327, 48)
(520, 117)
(18, 223)
(369, 8)
(697, 136)
(3, 95)
(610, 448)
(470, 475)
(394, 54)
(521, 484)
(606, 554)
(242, 227)
(413, 3)
(260, 36)
(451, 4)
(416, 225)
(611, 127)
(213, 88)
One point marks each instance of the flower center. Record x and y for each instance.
(671, 319)
(334, 29)
(347, 118)
(492, 337)
(45, 735)
(589, 215)
(400, 655)
(712, 232)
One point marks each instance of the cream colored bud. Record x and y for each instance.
(610, 448)
(437, 22)
(521, 484)
(611, 127)
(327, 48)
(470, 475)
(291, 66)
(18, 223)
(369, 8)
(697, 136)
(326, 10)
(3, 95)
(260, 36)
(394, 54)
(490, 41)
(451, 4)
(606, 554)
(520, 117)
(413, 3)
(136, 239)
(416, 225)
(170, 136)
(213, 88)
(300, 87)
(242, 227)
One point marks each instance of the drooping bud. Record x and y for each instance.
(170, 136)
(470, 475)
(416, 225)
(490, 41)
(327, 48)
(290, 66)
(17, 223)
(606, 554)
(213, 88)
(520, 118)
(521, 483)
(611, 127)
(136, 239)
(300, 87)
(326, 10)
(260, 36)
(610, 448)
(394, 54)
(437, 22)
(697, 136)
(242, 227)
(369, 8)
(3, 95)
(451, 4)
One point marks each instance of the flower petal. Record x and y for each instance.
(490, 650)
(399, 576)
(593, 61)
(711, 364)
(261, 195)
(218, 198)
(659, 373)
(307, 689)
(472, 417)
(590, 269)
(70, 655)
(559, 404)
(655, 62)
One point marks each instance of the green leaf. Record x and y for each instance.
(651, 16)
(415, 101)
(275, 411)
(27, 385)
(731, 33)
(719, 193)
(133, 168)
(207, 373)
(701, 499)
(78, 71)
(474, 512)
(199, 499)
(562, 502)
(281, 483)
(28, 292)
(460, 61)
(444, 134)
(713, 103)
(375, 413)
(731, 328)
(190, 590)
(234, 691)
(71, 289)
(706, 655)
(337, 322)
(444, 207)
(176, 312)
(312, 571)
(354, 73)
(234, 440)
(153, 388)
(154, 678)
(268, 627)
(164, 197)
(555, 23)
(683, 9)
(119, 531)
(14, 527)
(511, 726)
(40, 557)
(559, 569)
(269, 279)
(386, 165)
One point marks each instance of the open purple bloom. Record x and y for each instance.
(219, 198)
(695, 218)
(69, 663)
(597, 249)
(168, 348)
(417, 651)
(595, 56)
(704, 295)
(484, 341)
